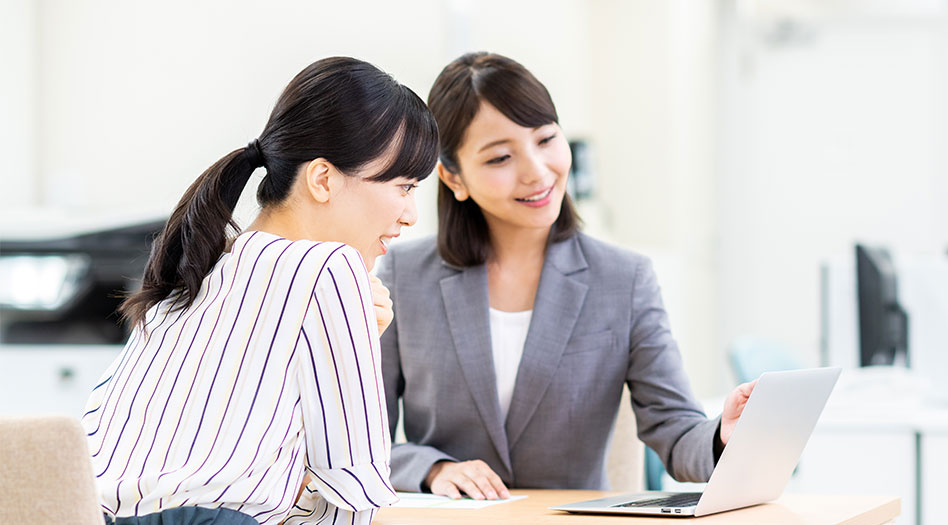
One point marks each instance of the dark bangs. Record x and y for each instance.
(501, 82)
(516, 94)
(409, 129)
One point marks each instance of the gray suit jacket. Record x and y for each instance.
(598, 323)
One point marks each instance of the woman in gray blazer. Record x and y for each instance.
(514, 333)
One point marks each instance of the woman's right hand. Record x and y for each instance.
(474, 478)
(383, 303)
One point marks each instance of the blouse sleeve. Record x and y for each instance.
(411, 462)
(343, 401)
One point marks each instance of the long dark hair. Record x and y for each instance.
(455, 97)
(341, 109)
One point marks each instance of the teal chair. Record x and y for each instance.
(654, 470)
(752, 355)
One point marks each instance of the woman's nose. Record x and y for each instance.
(532, 169)
(410, 214)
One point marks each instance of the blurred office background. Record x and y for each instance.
(745, 145)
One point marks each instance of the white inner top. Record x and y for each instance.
(508, 333)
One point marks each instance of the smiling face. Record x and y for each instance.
(367, 215)
(515, 174)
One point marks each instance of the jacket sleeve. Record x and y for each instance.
(669, 418)
(410, 462)
(343, 404)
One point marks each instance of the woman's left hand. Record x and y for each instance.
(382, 302)
(733, 407)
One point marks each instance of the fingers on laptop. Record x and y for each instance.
(744, 391)
(473, 478)
(747, 388)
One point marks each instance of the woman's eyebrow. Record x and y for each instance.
(492, 144)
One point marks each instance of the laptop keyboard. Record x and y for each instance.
(685, 499)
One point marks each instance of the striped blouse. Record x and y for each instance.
(272, 373)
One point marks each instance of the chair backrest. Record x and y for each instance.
(625, 460)
(45, 472)
(752, 355)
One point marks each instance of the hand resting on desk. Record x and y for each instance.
(477, 480)
(474, 478)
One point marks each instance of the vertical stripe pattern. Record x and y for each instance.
(270, 377)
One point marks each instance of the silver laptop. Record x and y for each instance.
(759, 458)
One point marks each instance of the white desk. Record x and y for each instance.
(889, 439)
(876, 436)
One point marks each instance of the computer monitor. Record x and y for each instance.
(883, 323)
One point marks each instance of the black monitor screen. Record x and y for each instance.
(883, 323)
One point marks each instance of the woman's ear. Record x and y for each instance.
(318, 177)
(453, 181)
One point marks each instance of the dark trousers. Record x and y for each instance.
(187, 516)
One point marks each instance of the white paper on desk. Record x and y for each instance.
(416, 500)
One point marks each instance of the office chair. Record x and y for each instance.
(625, 457)
(45, 472)
(751, 356)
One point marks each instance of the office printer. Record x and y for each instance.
(65, 288)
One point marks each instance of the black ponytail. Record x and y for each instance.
(341, 109)
(194, 236)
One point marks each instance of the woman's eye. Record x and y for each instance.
(547, 139)
(498, 160)
(408, 187)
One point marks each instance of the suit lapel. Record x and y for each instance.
(466, 303)
(558, 304)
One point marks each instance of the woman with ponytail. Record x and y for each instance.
(250, 389)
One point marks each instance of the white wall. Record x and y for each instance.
(737, 164)
(134, 100)
(18, 37)
(654, 71)
(833, 131)
(145, 96)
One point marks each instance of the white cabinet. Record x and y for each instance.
(881, 434)
(51, 379)
(860, 460)
(934, 467)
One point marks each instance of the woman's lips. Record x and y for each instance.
(385, 241)
(538, 199)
